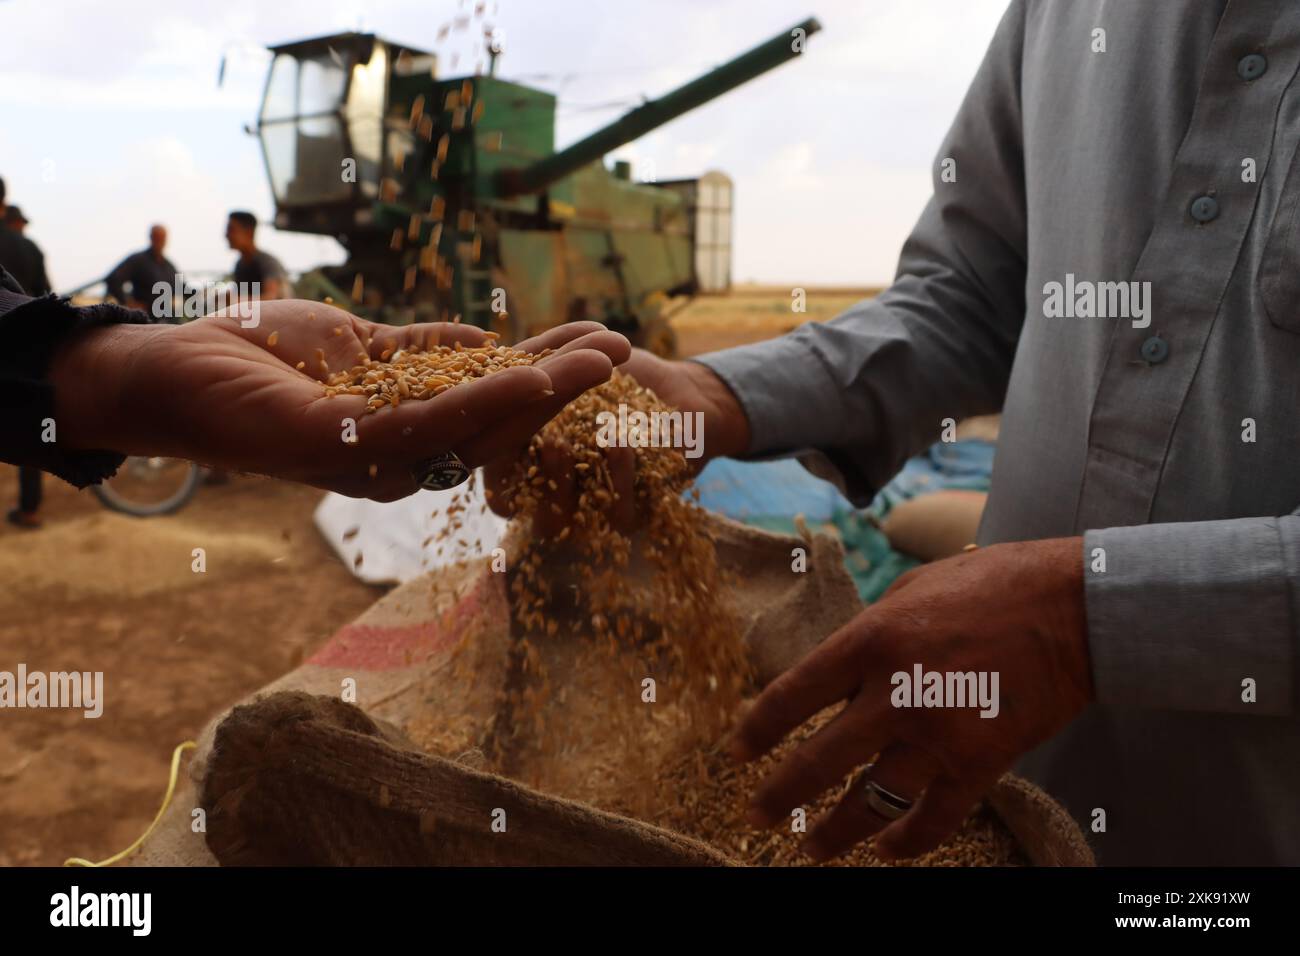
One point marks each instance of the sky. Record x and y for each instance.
(111, 117)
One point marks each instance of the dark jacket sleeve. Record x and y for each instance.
(38, 271)
(116, 280)
(31, 329)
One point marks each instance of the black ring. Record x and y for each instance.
(440, 472)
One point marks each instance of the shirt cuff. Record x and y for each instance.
(1186, 616)
(788, 394)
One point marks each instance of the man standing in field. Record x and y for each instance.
(26, 263)
(19, 255)
(14, 219)
(134, 281)
(254, 265)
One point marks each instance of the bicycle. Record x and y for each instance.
(146, 487)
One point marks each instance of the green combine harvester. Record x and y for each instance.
(450, 198)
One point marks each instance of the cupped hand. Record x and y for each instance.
(234, 397)
(689, 386)
(1014, 610)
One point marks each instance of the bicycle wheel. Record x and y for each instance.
(145, 487)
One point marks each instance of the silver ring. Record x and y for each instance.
(440, 472)
(884, 803)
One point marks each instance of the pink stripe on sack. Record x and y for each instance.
(381, 648)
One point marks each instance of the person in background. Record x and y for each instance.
(253, 264)
(133, 280)
(21, 257)
(14, 219)
(25, 261)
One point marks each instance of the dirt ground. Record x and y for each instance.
(97, 591)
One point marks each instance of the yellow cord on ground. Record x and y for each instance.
(167, 799)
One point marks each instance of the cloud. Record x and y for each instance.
(801, 220)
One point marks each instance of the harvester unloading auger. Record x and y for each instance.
(450, 198)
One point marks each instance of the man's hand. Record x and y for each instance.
(1014, 609)
(232, 397)
(686, 385)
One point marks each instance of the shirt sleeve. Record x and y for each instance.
(272, 269)
(181, 284)
(1195, 616)
(116, 281)
(872, 387)
(42, 277)
(31, 330)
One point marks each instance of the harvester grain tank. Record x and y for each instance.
(450, 198)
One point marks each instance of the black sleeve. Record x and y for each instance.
(182, 288)
(38, 270)
(273, 269)
(116, 281)
(31, 329)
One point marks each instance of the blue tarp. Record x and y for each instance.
(767, 489)
(770, 494)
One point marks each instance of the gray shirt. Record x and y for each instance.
(262, 267)
(1169, 158)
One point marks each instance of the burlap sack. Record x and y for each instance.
(296, 776)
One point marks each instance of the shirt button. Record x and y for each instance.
(1205, 208)
(1155, 350)
(1252, 67)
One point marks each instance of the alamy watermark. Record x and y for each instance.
(75, 908)
(76, 690)
(922, 688)
(638, 429)
(1082, 299)
(182, 300)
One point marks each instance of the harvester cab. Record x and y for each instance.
(321, 127)
(451, 200)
